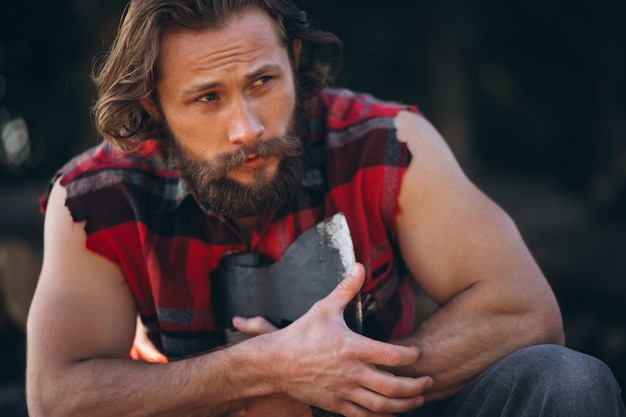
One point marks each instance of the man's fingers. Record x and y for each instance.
(385, 354)
(143, 348)
(392, 386)
(388, 394)
(253, 326)
(377, 403)
(349, 287)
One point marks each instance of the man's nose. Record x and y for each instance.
(245, 128)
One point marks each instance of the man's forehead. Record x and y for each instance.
(250, 17)
(248, 36)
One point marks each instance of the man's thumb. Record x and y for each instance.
(350, 286)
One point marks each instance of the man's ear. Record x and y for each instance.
(149, 106)
(296, 49)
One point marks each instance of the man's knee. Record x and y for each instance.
(550, 368)
(541, 380)
(556, 363)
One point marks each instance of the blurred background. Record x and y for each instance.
(531, 97)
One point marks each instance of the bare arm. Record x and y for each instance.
(81, 328)
(468, 256)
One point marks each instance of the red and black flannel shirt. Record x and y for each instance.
(140, 214)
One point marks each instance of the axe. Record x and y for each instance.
(311, 267)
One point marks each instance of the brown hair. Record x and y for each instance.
(128, 73)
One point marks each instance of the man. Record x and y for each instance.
(232, 145)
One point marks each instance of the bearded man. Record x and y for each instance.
(222, 138)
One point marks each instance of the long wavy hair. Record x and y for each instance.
(128, 73)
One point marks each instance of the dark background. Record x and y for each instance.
(531, 97)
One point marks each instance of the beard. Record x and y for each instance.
(209, 178)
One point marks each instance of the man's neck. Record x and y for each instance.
(245, 225)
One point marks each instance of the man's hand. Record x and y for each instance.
(324, 363)
(143, 348)
(276, 405)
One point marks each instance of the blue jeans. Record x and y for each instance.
(546, 380)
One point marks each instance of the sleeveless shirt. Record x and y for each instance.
(140, 214)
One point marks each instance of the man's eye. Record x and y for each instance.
(262, 81)
(209, 97)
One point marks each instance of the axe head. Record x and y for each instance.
(308, 271)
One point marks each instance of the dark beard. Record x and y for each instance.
(208, 179)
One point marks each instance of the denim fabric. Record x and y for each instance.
(546, 380)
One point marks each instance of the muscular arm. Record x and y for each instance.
(81, 327)
(468, 256)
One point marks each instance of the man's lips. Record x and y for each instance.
(253, 161)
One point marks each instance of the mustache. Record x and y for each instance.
(287, 145)
(209, 178)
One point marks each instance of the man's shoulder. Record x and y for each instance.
(342, 108)
(105, 170)
(105, 158)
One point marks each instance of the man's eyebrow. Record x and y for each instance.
(262, 70)
(196, 88)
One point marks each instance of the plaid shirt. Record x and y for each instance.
(141, 215)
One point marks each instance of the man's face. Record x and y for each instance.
(227, 104)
